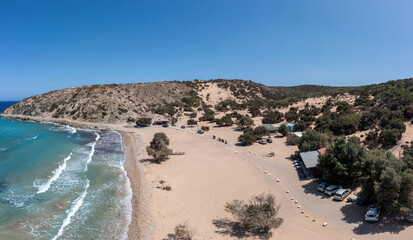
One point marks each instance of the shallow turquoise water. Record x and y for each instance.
(57, 182)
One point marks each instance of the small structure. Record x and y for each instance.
(310, 160)
(297, 135)
(322, 150)
(270, 128)
(290, 126)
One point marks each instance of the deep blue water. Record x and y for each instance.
(58, 182)
(5, 104)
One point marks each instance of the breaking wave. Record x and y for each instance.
(56, 174)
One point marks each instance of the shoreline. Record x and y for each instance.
(140, 226)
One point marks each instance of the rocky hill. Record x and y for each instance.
(120, 102)
(101, 103)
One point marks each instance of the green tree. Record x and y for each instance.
(343, 161)
(389, 137)
(388, 181)
(191, 122)
(260, 214)
(158, 147)
(283, 130)
(245, 122)
(143, 122)
(260, 131)
(313, 140)
(247, 137)
(406, 191)
(209, 116)
(346, 124)
(225, 121)
(271, 117)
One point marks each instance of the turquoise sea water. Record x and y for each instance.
(58, 182)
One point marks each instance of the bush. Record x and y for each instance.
(143, 122)
(292, 140)
(346, 124)
(260, 131)
(283, 130)
(260, 214)
(271, 117)
(313, 140)
(245, 122)
(224, 121)
(182, 232)
(205, 128)
(209, 116)
(389, 137)
(247, 137)
(191, 122)
(193, 115)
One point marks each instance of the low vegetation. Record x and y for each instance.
(260, 214)
(181, 232)
(313, 140)
(143, 122)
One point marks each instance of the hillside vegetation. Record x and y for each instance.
(379, 110)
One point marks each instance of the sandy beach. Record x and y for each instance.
(212, 173)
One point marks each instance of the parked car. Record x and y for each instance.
(269, 140)
(372, 214)
(353, 197)
(330, 190)
(322, 186)
(360, 200)
(297, 167)
(409, 216)
(341, 194)
(200, 131)
(263, 141)
(165, 125)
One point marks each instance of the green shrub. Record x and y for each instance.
(182, 232)
(260, 214)
(193, 115)
(143, 122)
(191, 122)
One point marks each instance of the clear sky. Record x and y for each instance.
(49, 45)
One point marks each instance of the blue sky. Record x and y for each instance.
(49, 45)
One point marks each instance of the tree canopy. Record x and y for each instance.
(313, 140)
(343, 161)
(158, 147)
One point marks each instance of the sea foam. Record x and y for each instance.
(56, 174)
(72, 211)
(92, 151)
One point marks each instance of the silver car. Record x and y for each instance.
(353, 197)
(341, 194)
(330, 190)
(372, 214)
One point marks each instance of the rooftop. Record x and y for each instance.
(310, 159)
